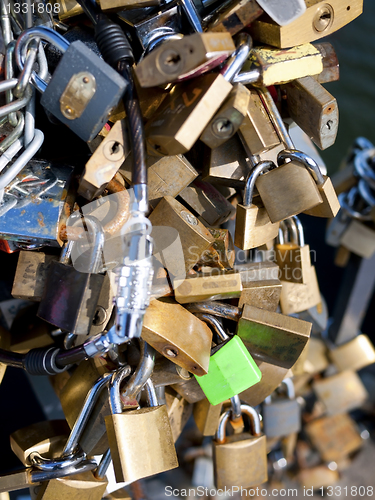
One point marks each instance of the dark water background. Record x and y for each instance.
(355, 91)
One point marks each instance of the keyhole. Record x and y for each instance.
(323, 18)
(172, 59)
(223, 128)
(115, 148)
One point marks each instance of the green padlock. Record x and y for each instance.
(231, 369)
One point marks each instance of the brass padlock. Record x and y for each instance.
(204, 199)
(223, 284)
(293, 258)
(178, 335)
(105, 162)
(313, 109)
(290, 189)
(240, 459)
(257, 271)
(297, 297)
(149, 427)
(206, 416)
(341, 393)
(317, 477)
(31, 273)
(167, 176)
(232, 17)
(120, 5)
(83, 486)
(177, 60)
(228, 119)
(334, 437)
(253, 225)
(353, 355)
(264, 294)
(273, 337)
(226, 165)
(319, 20)
(194, 236)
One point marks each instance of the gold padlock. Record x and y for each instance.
(334, 437)
(149, 427)
(221, 254)
(228, 119)
(297, 297)
(240, 459)
(293, 258)
(341, 393)
(313, 109)
(194, 236)
(178, 59)
(178, 335)
(227, 164)
(253, 225)
(224, 284)
(204, 199)
(317, 477)
(353, 355)
(257, 271)
(273, 337)
(233, 17)
(264, 294)
(82, 486)
(319, 20)
(167, 176)
(119, 5)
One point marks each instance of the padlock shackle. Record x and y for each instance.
(215, 324)
(362, 167)
(238, 58)
(252, 178)
(142, 373)
(347, 201)
(290, 390)
(45, 34)
(152, 397)
(114, 389)
(275, 117)
(307, 161)
(366, 193)
(225, 417)
(215, 308)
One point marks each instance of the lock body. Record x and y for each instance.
(31, 273)
(82, 486)
(264, 294)
(281, 418)
(253, 227)
(297, 297)
(84, 116)
(353, 355)
(206, 416)
(225, 285)
(179, 411)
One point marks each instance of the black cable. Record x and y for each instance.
(71, 356)
(12, 358)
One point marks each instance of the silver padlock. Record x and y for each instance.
(282, 416)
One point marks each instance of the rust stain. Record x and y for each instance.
(23, 212)
(41, 219)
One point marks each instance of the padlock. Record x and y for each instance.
(179, 412)
(221, 254)
(167, 373)
(128, 430)
(297, 297)
(189, 107)
(204, 199)
(68, 8)
(269, 66)
(232, 17)
(334, 437)
(43, 222)
(353, 355)
(104, 162)
(331, 66)
(257, 271)
(224, 284)
(264, 294)
(340, 393)
(79, 487)
(206, 416)
(70, 289)
(31, 273)
(194, 236)
(307, 94)
(178, 335)
(167, 176)
(293, 258)
(231, 369)
(273, 337)
(82, 100)
(319, 20)
(118, 5)
(253, 226)
(290, 189)
(177, 60)
(228, 119)
(47, 438)
(226, 165)
(317, 477)
(240, 459)
(359, 239)
(282, 416)
(189, 390)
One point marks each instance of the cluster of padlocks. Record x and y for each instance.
(167, 262)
